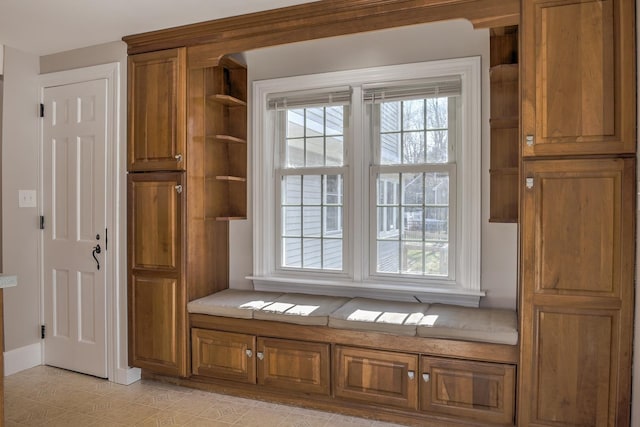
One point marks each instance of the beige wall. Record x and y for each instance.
(395, 46)
(20, 231)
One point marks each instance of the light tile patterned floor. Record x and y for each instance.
(45, 396)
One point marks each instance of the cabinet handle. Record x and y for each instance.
(178, 157)
(530, 140)
(411, 375)
(179, 189)
(426, 377)
(260, 355)
(249, 353)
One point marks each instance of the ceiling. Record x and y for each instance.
(44, 27)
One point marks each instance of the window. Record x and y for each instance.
(367, 182)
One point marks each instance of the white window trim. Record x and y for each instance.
(467, 290)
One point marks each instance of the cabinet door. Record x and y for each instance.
(223, 355)
(157, 112)
(578, 77)
(156, 291)
(294, 365)
(477, 390)
(382, 377)
(577, 287)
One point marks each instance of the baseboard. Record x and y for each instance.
(127, 376)
(22, 358)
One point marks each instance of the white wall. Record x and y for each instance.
(20, 231)
(387, 47)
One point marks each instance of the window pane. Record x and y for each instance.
(437, 259)
(388, 189)
(390, 150)
(413, 223)
(335, 120)
(312, 253)
(413, 114)
(332, 254)
(332, 221)
(388, 223)
(292, 221)
(388, 257)
(333, 189)
(413, 149)
(438, 146)
(295, 123)
(315, 151)
(292, 189)
(291, 253)
(437, 113)
(436, 225)
(314, 121)
(312, 190)
(312, 221)
(412, 189)
(295, 153)
(390, 117)
(335, 150)
(412, 257)
(437, 188)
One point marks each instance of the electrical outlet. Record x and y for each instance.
(26, 198)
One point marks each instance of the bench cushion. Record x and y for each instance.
(400, 318)
(301, 309)
(232, 303)
(470, 324)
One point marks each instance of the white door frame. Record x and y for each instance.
(117, 368)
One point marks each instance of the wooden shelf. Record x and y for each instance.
(230, 218)
(504, 122)
(227, 138)
(230, 178)
(227, 100)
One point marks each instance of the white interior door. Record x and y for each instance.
(74, 207)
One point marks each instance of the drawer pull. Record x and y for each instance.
(530, 140)
(178, 189)
(411, 375)
(260, 355)
(249, 353)
(178, 157)
(425, 377)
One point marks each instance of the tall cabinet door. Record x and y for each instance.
(577, 237)
(578, 78)
(157, 110)
(156, 292)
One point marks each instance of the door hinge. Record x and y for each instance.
(41, 110)
(43, 330)
(41, 222)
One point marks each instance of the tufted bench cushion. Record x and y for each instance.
(364, 314)
(469, 324)
(301, 309)
(232, 303)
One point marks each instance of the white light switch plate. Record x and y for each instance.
(26, 198)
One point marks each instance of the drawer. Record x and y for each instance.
(223, 355)
(372, 376)
(476, 390)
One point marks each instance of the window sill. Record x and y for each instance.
(370, 289)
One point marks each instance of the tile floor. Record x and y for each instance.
(45, 396)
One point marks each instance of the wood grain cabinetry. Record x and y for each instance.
(156, 297)
(157, 110)
(578, 85)
(577, 289)
(480, 391)
(381, 377)
(288, 365)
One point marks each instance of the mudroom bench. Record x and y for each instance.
(411, 363)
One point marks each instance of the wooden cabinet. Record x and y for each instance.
(156, 296)
(382, 377)
(480, 391)
(157, 110)
(224, 355)
(578, 82)
(577, 291)
(296, 366)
